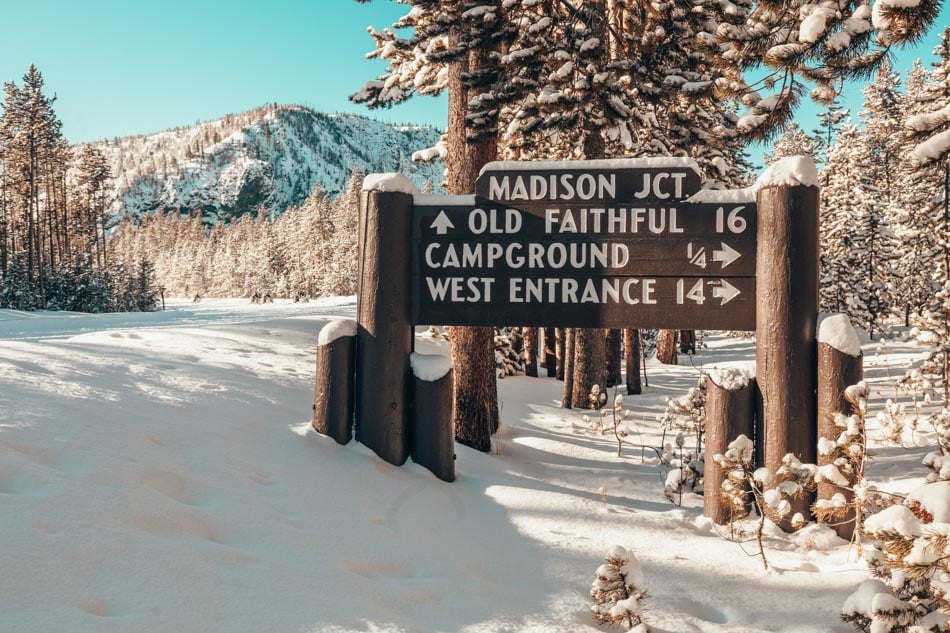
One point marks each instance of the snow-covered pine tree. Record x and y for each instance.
(822, 43)
(910, 562)
(932, 325)
(912, 221)
(617, 591)
(879, 156)
(841, 290)
(830, 121)
(792, 142)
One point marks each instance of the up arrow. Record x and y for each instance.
(725, 291)
(727, 255)
(442, 223)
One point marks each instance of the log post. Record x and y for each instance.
(786, 316)
(840, 365)
(550, 353)
(333, 398)
(631, 355)
(384, 333)
(730, 412)
(531, 351)
(432, 427)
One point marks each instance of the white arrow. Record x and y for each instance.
(725, 291)
(727, 255)
(442, 223)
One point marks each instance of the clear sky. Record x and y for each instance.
(128, 67)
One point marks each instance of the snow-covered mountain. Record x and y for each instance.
(271, 156)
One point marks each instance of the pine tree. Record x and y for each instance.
(792, 142)
(803, 42)
(617, 591)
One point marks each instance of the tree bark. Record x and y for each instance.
(561, 343)
(666, 347)
(631, 351)
(687, 341)
(550, 352)
(473, 348)
(531, 352)
(614, 343)
(567, 400)
(590, 349)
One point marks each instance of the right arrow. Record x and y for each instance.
(725, 291)
(442, 223)
(727, 255)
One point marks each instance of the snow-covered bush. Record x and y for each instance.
(509, 359)
(847, 454)
(910, 562)
(618, 592)
(607, 420)
(687, 413)
(766, 492)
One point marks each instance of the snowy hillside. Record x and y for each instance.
(158, 473)
(270, 156)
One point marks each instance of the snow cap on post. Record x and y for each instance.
(336, 329)
(430, 367)
(789, 171)
(732, 378)
(837, 331)
(390, 182)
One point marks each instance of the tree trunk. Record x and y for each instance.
(631, 352)
(550, 353)
(567, 400)
(473, 348)
(666, 347)
(687, 341)
(590, 349)
(561, 343)
(614, 343)
(531, 351)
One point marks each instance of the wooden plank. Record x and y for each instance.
(490, 220)
(587, 183)
(638, 256)
(642, 302)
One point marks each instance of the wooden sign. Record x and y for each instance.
(598, 246)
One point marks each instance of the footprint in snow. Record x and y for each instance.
(176, 525)
(14, 481)
(173, 486)
(702, 611)
(99, 608)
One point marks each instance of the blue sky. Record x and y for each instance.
(121, 67)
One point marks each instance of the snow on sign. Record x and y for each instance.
(584, 244)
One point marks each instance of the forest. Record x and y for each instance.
(54, 251)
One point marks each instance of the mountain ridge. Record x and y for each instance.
(270, 157)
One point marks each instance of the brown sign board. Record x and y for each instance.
(595, 181)
(609, 302)
(673, 239)
(597, 246)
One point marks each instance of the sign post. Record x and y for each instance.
(592, 244)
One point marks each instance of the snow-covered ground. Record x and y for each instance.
(158, 473)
